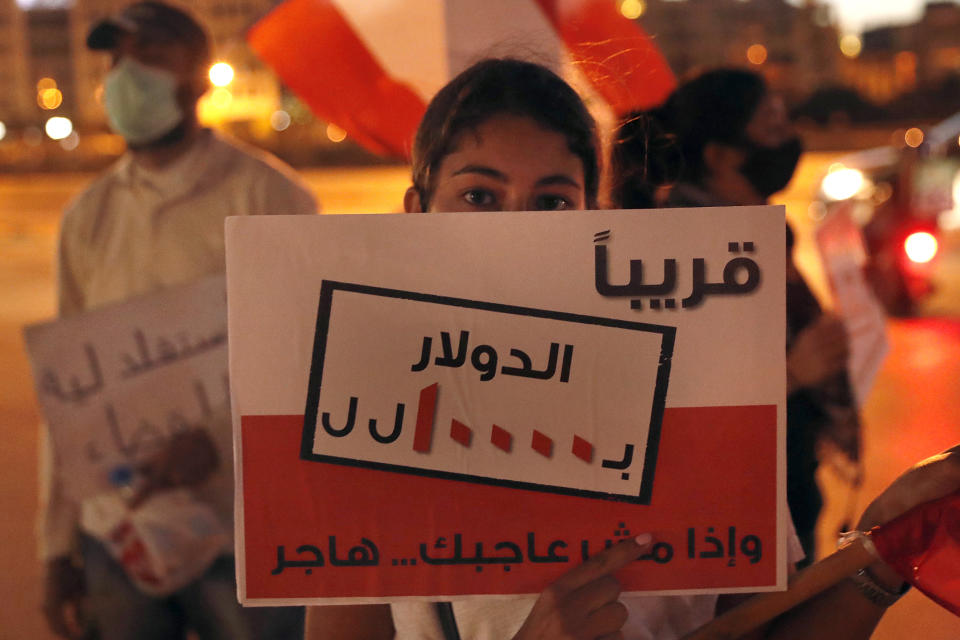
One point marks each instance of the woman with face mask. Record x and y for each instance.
(724, 139)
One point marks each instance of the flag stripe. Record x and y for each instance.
(615, 54)
(317, 54)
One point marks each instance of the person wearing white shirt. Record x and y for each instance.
(156, 220)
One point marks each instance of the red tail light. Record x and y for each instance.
(921, 247)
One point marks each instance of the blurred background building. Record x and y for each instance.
(795, 47)
(51, 85)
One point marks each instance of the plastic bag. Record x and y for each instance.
(166, 543)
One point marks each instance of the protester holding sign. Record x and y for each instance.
(155, 220)
(509, 135)
(723, 139)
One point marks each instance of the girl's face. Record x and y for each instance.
(508, 163)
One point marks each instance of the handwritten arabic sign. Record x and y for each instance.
(462, 404)
(115, 383)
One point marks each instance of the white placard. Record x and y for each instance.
(114, 383)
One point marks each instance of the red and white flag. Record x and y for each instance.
(371, 67)
(923, 545)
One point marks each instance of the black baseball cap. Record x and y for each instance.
(155, 22)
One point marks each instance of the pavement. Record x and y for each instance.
(912, 412)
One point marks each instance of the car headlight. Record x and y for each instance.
(842, 183)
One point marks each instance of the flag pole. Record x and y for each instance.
(802, 586)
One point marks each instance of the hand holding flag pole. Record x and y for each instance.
(922, 545)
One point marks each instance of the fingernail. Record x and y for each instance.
(643, 539)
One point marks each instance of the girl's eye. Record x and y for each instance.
(552, 202)
(479, 197)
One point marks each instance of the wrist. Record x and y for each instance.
(885, 576)
(874, 589)
(878, 582)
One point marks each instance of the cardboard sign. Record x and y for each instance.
(467, 405)
(116, 382)
(841, 247)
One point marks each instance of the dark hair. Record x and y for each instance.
(643, 157)
(504, 86)
(666, 145)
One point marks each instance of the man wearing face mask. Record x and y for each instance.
(155, 220)
(723, 139)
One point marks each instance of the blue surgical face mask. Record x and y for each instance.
(141, 102)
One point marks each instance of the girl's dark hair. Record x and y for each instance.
(666, 145)
(504, 86)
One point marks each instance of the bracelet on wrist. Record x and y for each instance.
(864, 581)
(874, 591)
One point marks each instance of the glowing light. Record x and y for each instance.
(221, 74)
(921, 247)
(46, 83)
(71, 142)
(851, 45)
(221, 98)
(49, 99)
(632, 9)
(757, 54)
(280, 120)
(842, 183)
(3, 130)
(335, 133)
(913, 137)
(58, 127)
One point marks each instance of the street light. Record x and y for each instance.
(913, 137)
(58, 127)
(757, 54)
(221, 74)
(49, 99)
(280, 120)
(335, 133)
(632, 9)
(851, 45)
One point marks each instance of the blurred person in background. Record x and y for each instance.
(723, 139)
(155, 220)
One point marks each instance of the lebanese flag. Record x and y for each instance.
(371, 67)
(923, 546)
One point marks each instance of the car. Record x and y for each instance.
(903, 198)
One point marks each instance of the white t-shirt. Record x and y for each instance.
(137, 230)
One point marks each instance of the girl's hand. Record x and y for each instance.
(583, 603)
(927, 480)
